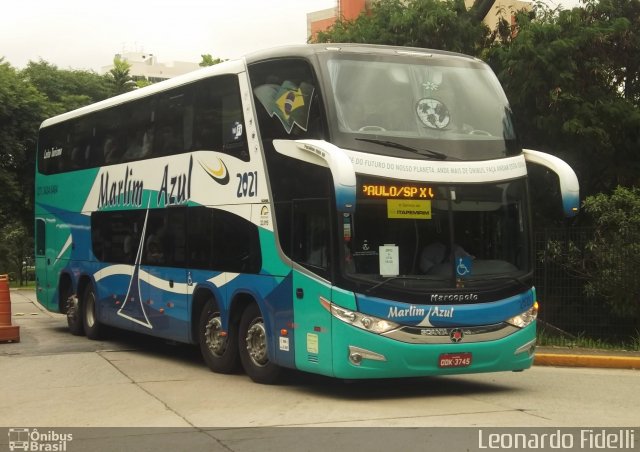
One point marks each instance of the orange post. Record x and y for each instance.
(8, 333)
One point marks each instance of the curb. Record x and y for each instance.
(602, 361)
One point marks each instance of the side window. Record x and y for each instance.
(236, 243)
(138, 131)
(169, 118)
(219, 240)
(109, 137)
(287, 99)
(218, 122)
(115, 236)
(311, 240)
(200, 237)
(83, 150)
(165, 243)
(53, 148)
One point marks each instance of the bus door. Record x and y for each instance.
(166, 281)
(312, 251)
(44, 260)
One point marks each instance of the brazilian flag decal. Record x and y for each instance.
(290, 103)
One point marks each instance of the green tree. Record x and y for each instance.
(572, 79)
(67, 89)
(143, 82)
(208, 60)
(22, 108)
(607, 263)
(16, 248)
(435, 24)
(27, 97)
(120, 77)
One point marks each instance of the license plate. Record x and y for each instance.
(454, 360)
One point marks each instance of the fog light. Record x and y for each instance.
(357, 354)
(355, 358)
(529, 347)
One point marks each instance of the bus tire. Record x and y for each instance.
(219, 351)
(253, 347)
(74, 316)
(92, 328)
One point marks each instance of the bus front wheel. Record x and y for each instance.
(254, 350)
(219, 348)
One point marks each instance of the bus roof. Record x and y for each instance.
(307, 50)
(227, 67)
(239, 65)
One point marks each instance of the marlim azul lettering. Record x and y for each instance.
(414, 311)
(123, 192)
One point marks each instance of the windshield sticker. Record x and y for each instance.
(290, 103)
(464, 266)
(433, 113)
(389, 260)
(413, 209)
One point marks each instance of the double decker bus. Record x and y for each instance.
(355, 211)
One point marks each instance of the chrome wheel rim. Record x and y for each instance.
(215, 340)
(72, 309)
(257, 343)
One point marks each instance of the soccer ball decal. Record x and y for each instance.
(433, 113)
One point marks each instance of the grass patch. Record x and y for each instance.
(29, 285)
(554, 337)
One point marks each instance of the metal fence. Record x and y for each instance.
(563, 302)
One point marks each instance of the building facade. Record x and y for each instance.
(351, 9)
(145, 66)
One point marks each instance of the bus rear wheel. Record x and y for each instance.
(93, 329)
(74, 316)
(219, 348)
(254, 350)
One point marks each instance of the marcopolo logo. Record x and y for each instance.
(35, 440)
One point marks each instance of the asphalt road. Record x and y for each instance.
(53, 379)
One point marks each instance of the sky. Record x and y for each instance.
(83, 34)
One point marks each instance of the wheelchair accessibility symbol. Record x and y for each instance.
(464, 266)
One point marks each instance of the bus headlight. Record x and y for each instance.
(526, 317)
(359, 320)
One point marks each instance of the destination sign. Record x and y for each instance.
(397, 191)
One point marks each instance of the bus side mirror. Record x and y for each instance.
(569, 186)
(319, 152)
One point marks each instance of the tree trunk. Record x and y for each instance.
(480, 9)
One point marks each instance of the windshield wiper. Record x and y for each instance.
(393, 144)
(500, 278)
(392, 278)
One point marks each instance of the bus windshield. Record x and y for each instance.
(420, 236)
(453, 106)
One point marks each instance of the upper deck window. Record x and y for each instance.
(202, 116)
